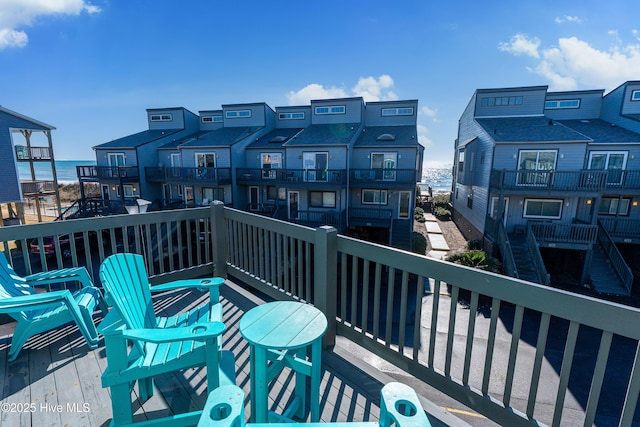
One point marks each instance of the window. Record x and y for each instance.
(542, 208)
(614, 206)
(461, 161)
(128, 190)
(270, 161)
(331, 109)
(274, 193)
(316, 166)
(535, 167)
(236, 114)
(161, 117)
(374, 197)
(206, 160)
(559, 104)
(291, 116)
(212, 119)
(322, 199)
(116, 159)
(405, 204)
(501, 101)
(635, 95)
(406, 111)
(613, 161)
(384, 165)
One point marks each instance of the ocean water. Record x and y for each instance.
(437, 179)
(65, 169)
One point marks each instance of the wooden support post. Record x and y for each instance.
(325, 265)
(219, 237)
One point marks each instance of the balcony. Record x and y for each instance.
(517, 353)
(622, 230)
(579, 182)
(108, 173)
(383, 178)
(324, 178)
(211, 176)
(571, 236)
(370, 217)
(32, 153)
(37, 188)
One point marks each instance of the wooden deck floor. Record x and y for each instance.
(56, 379)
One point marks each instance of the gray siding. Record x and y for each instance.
(293, 123)
(633, 156)
(211, 125)
(361, 156)
(532, 102)
(130, 156)
(258, 115)
(10, 188)
(254, 160)
(354, 108)
(337, 156)
(223, 157)
(612, 107)
(569, 157)
(374, 117)
(590, 105)
(629, 106)
(177, 118)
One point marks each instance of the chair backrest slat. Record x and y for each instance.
(12, 285)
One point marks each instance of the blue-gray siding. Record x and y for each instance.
(532, 103)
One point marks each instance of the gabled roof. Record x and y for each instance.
(326, 134)
(37, 124)
(276, 138)
(601, 131)
(223, 137)
(529, 129)
(388, 136)
(138, 139)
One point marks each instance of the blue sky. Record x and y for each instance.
(92, 67)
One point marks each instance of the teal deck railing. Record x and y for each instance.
(510, 350)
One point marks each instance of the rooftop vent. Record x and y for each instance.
(386, 137)
(278, 139)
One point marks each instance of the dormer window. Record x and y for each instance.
(211, 119)
(404, 111)
(237, 114)
(560, 104)
(501, 101)
(331, 109)
(291, 116)
(386, 137)
(161, 118)
(635, 95)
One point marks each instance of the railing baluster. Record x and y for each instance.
(473, 309)
(417, 323)
(307, 274)
(598, 377)
(390, 289)
(343, 287)
(633, 390)
(565, 371)
(376, 302)
(365, 295)
(299, 276)
(354, 290)
(403, 311)
(513, 353)
(434, 322)
(453, 306)
(543, 332)
(491, 340)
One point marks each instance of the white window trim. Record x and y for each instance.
(619, 201)
(635, 95)
(237, 114)
(383, 194)
(205, 154)
(296, 115)
(164, 117)
(556, 104)
(128, 190)
(608, 154)
(212, 119)
(332, 206)
(400, 111)
(408, 195)
(557, 201)
(331, 109)
(114, 156)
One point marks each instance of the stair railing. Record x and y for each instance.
(508, 262)
(615, 257)
(536, 256)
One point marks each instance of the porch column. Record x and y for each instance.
(219, 230)
(587, 266)
(54, 173)
(325, 264)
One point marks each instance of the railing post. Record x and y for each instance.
(219, 236)
(325, 267)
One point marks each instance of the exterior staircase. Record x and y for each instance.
(602, 275)
(401, 234)
(523, 258)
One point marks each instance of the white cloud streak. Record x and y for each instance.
(370, 88)
(19, 13)
(567, 18)
(574, 63)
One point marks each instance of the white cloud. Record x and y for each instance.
(636, 34)
(521, 44)
(574, 63)
(370, 88)
(567, 18)
(423, 138)
(431, 113)
(19, 13)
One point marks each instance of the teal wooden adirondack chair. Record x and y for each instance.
(399, 407)
(40, 312)
(159, 344)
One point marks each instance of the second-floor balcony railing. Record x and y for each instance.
(551, 233)
(218, 176)
(32, 153)
(382, 177)
(333, 177)
(108, 173)
(586, 180)
(37, 187)
(518, 353)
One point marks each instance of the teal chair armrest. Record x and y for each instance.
(199, 332)
(224, 408)
(401, 407)
(33, 301)
(73, 274)
(202, 284)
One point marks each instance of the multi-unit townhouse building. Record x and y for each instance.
(339, 162)
(551, 181)
(18, 144)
